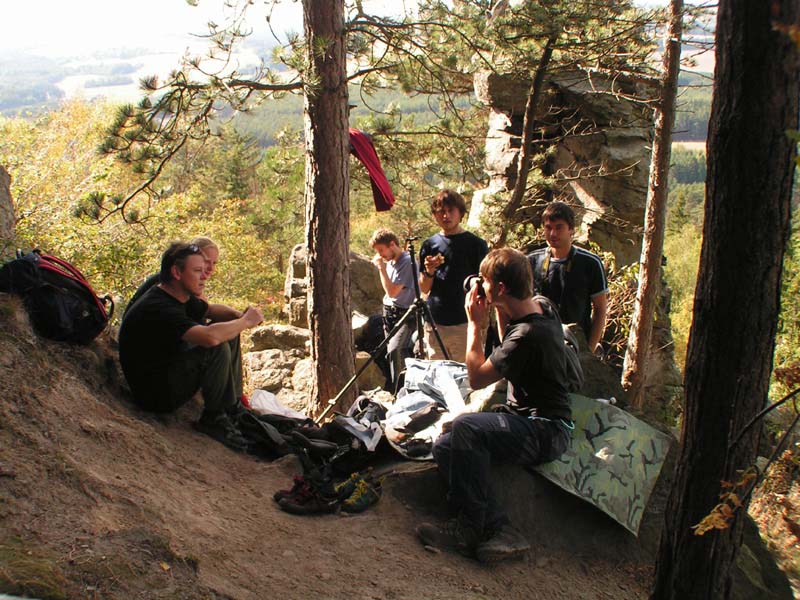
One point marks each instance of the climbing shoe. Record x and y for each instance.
(504, 543)
(455, 535)
(309, 504)
(221, 428)
(299, 487)
(364, 495)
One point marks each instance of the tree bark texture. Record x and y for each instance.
(746, 228)
(327, 199)
(635, 367)
(524, 160)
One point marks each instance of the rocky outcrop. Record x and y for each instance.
(366, 293)
(596, 134)
(7, 218)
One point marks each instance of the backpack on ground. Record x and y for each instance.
(60, 302)
(574, 368)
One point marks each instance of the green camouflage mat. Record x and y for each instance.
(613, 463)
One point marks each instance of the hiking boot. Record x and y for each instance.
(346, 488)
(221, 428)
(309, 504)
(502, 544)
(364, 495)
(455, 535)
(300, 487)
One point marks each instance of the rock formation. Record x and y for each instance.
(597, 133)
(597, 139)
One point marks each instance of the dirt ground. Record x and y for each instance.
(99, 500)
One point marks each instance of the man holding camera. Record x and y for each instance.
(573, 278)
(446, 259)
(168, 352)
(397, 280)
(533, 428)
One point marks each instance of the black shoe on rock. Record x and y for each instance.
(504, 543)
(221, 428)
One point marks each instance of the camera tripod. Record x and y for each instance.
(418, 311)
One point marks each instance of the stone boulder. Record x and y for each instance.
(366, 293)
(269, 370)
(280, 337)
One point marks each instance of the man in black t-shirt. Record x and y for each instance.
(446, 259)
(534, 426)
(168, 352)
(573, 278)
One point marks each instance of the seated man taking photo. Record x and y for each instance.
(168, 352)
(534, 426)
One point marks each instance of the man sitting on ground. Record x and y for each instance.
(168, 352)
(535, 426)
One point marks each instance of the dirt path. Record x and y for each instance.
(99, 500)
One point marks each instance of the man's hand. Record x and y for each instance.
(378, 261)
(433, 262)
(252, 316)
(477, 308)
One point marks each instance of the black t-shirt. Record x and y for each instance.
(532, 358)
(151, 333)
(463, 253)
(570, 283)
(142, 290)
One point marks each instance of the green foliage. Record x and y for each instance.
(687, 166)
(56, 173)
(693, 107)
(682, 250)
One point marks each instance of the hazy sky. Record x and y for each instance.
(58, 27)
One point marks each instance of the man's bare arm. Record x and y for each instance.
(599, 313)
(215, 334)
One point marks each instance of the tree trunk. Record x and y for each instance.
(635, 367)
(326, 199)
(747, 215)
(524, 161)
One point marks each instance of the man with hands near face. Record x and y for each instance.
(397, 279)
(534, 426)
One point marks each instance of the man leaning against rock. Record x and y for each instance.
(168, 352)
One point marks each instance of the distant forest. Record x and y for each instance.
(28, 87)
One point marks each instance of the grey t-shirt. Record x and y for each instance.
(400, 273)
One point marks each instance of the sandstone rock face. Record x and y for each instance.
(281, 337)
(7, 218)
(372, 377)
(269, 369)
(602, 164)
(366, 293)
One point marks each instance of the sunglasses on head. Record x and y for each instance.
(187, 251)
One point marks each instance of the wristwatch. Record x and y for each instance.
(428, 275)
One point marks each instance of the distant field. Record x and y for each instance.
(701, 146)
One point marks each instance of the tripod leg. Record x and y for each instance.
(381, 347)
(438, 337)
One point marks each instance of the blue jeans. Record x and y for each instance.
(465, 454)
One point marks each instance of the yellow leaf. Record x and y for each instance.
(164, 567)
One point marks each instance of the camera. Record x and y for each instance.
(473, 280)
